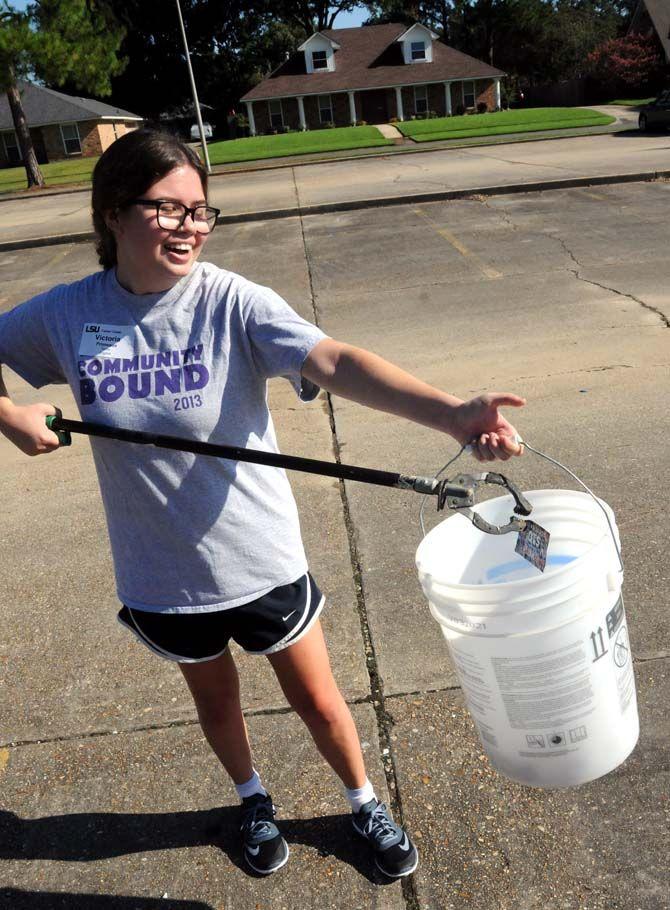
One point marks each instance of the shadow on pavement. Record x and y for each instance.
(635, 133)
(17, 899)
(84, 837)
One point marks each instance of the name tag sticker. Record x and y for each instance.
(110, 340)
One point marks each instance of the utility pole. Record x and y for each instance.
(194, 91)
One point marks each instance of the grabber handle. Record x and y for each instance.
(64, 436)
(470, 446)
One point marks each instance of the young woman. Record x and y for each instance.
(205, 549)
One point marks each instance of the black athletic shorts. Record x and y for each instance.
(264, 626)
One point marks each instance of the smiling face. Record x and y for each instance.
(149, 258)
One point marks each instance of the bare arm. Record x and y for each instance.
(362, 376)
(25, 426)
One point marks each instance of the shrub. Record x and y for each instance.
(460, 110)
(433, 115)
(631, 63)
(362, 123)
(482, 107)
(391, 120)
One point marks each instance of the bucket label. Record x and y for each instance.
(533, 543)
(623, 663)
(540, 690)
(615, 617)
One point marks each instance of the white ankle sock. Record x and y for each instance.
(251, 787)
(360, 796)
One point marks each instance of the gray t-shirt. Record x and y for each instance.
(189, 533)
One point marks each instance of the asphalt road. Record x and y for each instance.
(379, 177)
(110, 797)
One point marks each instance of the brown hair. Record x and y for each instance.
(126, 170)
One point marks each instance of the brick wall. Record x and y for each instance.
(340, 107)
(3, 156)
(262, 115)
(486, 92)
(90, 138)
(53, 142)
(391, 102)
(436, 99)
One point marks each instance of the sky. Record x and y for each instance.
(350, 20)
(344, 20)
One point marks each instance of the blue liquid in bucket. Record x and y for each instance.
(518, 569)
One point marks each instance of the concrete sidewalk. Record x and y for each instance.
(311, 189)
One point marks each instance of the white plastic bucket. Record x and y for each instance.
(543, 659)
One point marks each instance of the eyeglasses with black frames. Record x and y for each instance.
(172, 215)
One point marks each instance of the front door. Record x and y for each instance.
(375, 108)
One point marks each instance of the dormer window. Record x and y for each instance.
(319, 51)
(418, 50)
(320, 60)
(417, 44)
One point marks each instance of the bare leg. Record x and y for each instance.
(215, 688)
(304, 673)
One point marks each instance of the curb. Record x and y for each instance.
(503, 139)
(378, 202)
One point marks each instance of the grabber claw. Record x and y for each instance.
(53, 421)
(463, 505)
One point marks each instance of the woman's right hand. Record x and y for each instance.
(26, 427)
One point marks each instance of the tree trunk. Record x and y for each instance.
(33, 172)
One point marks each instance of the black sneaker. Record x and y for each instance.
(395, 854)
(265, 850)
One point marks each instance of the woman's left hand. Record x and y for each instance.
(478, 422)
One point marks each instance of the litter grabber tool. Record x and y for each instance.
(457, 494)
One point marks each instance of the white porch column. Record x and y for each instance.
(352, 108)
(398, 102)
(447, 97)
(497, 93)
(250, 117)
(301, 113)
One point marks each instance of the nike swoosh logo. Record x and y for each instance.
(284, 618)
(404, 844)
(254, 850)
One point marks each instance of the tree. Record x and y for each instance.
(435, 15)
(59, 41)
(314, 16)
(631, 63)
(233, 45)
(18, 46)
(538, 40)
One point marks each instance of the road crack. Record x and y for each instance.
(605, 287)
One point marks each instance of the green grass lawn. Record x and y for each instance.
(328, 140)
(633, 102)
(60, 173)
(516, 121)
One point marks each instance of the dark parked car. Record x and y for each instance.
(656, 115)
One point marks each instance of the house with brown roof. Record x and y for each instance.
(61, 126)
(373, 74)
